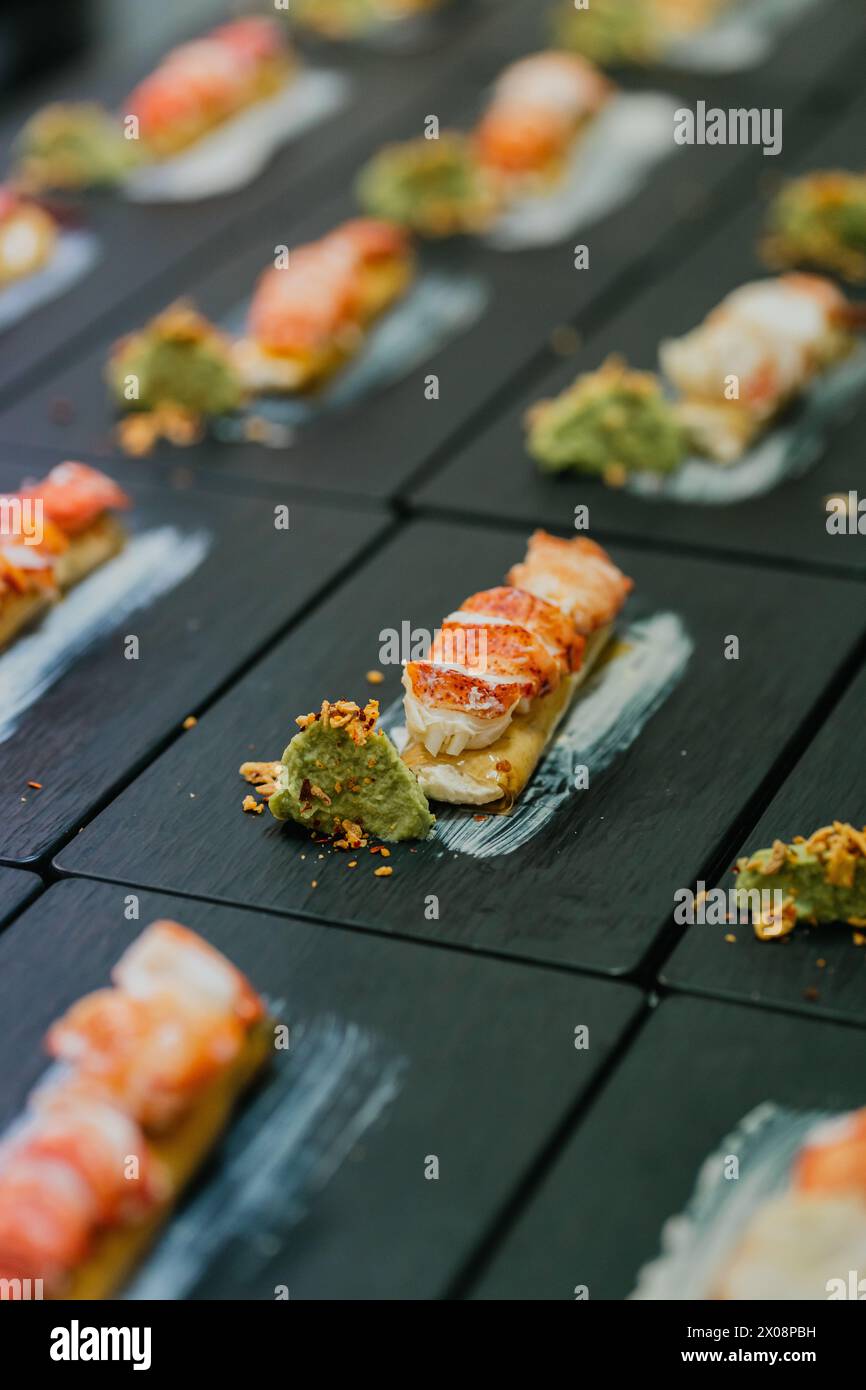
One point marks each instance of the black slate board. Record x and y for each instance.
(377, 1228)
(380, 444)
(595, 888)
(141, 243)
(17, 887)
(493, 475)
(690, 1077)
(825, 785)
(104, 715)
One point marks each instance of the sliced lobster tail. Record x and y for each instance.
(577, 576)
(506, 648)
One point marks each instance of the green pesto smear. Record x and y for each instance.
(340, 19)
(341, 773)
(822, 879)
(820, 221)
(609, 31)
(178, 359)
(611, 422)
(437, 187)
(73, 145)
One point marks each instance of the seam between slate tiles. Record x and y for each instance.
(28, 902)
(204, 479)
(784, 765)
(666, 991)
(549, 1150)
(709, 552)
(54, 873)
(645, 974)
(473, 1266)
(527, 1187)
(477, 1264)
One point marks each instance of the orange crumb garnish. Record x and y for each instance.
(261, 775)
(383, 872)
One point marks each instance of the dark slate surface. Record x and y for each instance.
(99, 719)
(820, 52)
(816, 970)
(374, 1227)
(376, 444)
(142, 244)
(17, 887)
(595, 888)
(492, 1083)
(493, 476)
(632, 1162)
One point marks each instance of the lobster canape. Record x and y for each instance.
(148, 1072)
(752, 356)
(484, 703)
(540, 107)
(310, 316)
(53, 533)
(802, 1243)
(201, 84)
(28, 236)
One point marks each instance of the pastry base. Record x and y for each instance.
(262, 370)
(495, 776)
(182, 1152)
(18, 611)
(90, 549)
(85, 553)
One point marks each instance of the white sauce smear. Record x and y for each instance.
(608, 714)
(439, 305)
(609, 164)
(317, 1103)
(696, 1244)
(149, 566)
(785, 452)
(739, 40)
(74, 255)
